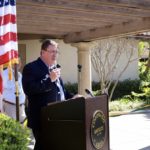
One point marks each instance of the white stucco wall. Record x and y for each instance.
(32, 49)
(68, 60)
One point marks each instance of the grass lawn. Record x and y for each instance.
(114, 113)
(145, 107)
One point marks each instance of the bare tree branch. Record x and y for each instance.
(106, 55)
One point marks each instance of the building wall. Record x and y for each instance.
(68, 61)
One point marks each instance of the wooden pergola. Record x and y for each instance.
(81, 20)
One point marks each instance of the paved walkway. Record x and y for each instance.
(128, 132)
(31, 145)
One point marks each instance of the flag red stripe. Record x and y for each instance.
(6, 57)
(9, 18)
(9, 36)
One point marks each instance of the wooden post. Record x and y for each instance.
(17, 91)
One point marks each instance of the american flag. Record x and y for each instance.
(8, 34)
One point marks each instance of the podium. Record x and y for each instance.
(76, 124)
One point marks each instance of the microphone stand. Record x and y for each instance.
(79, 77)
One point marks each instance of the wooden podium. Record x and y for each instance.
(76, 124)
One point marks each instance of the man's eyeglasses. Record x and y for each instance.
(53, 52)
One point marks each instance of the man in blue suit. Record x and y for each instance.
(42, 85)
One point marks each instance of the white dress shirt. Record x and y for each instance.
(10, 89)
(62, 96)
(57, 81)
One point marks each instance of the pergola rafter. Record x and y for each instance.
(81, 20)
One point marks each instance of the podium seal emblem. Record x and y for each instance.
(98, 129)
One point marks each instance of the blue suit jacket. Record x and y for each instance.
(39, 90)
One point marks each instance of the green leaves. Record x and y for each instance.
(13, 136)
(141, 47)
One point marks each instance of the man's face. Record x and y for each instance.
(51, 54)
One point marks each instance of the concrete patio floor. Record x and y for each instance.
(130, 132)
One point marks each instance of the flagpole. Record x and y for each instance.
(1, 90)
(17, 91)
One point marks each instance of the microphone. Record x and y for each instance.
(54, 67)
(58, 66)
(89, 92)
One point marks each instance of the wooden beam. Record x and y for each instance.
(130, 3)
(48, 27)
(37, 36)
(51, 11)
(88, 5)
(70, 3)
(21, 17)
(126, 28)
(33, 29)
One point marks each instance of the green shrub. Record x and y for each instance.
(71, 87)
(13, 136)
(95, 86)
(123, 88)
(125, 104)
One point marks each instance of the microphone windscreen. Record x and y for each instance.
(54, 67)
(58, 66)
(89, 92)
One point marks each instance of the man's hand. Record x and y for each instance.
(77, 96)
(54, 74)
